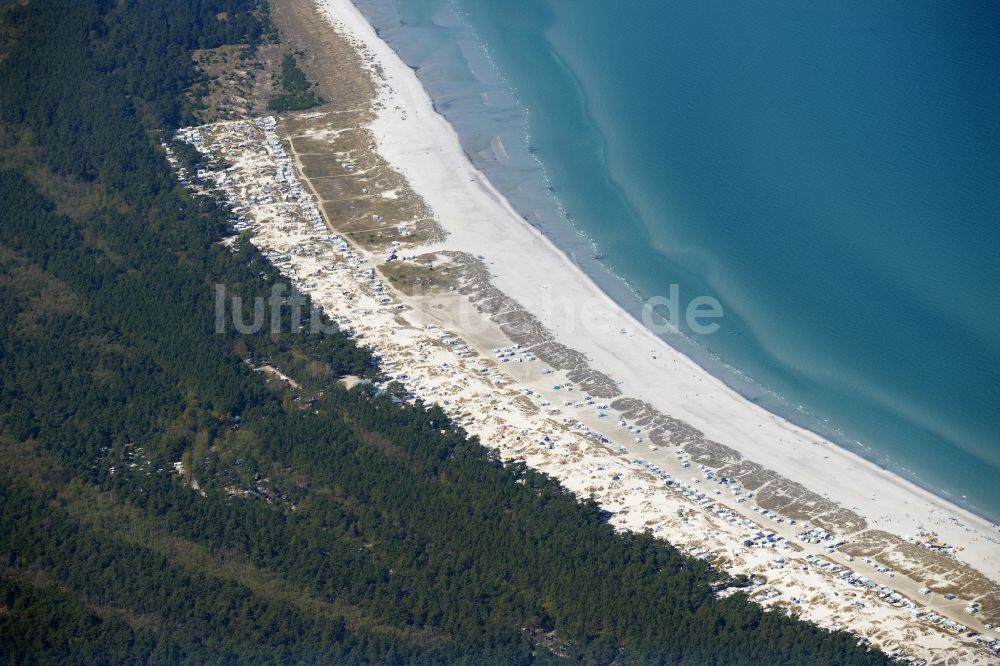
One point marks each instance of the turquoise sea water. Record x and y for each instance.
(829, 171)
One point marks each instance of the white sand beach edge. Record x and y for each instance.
(418, 142)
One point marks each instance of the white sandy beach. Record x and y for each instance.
(419, 143)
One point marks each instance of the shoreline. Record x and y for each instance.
(407, 144)
(570, 239)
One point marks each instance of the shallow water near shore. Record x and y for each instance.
(828, 173)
